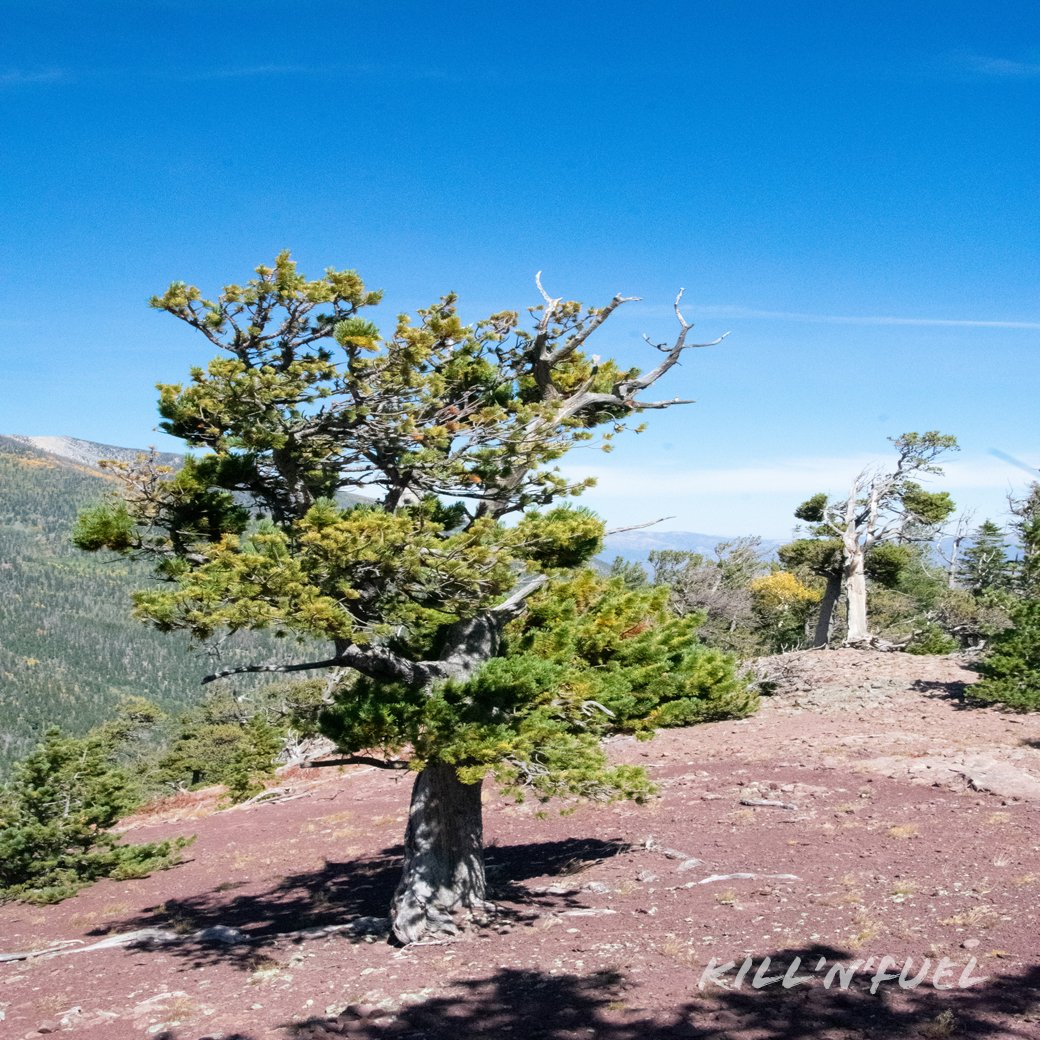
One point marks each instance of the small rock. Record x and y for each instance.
(47, 1027)
(363, 1011)
(222, 934)
(970, 944)
(646, 876)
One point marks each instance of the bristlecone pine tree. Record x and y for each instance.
(478, 649)
(881, 507)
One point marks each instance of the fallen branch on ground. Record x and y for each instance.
(216, 935)
(712, 878)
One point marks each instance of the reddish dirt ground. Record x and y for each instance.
(908, 827)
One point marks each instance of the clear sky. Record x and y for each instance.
(852, 189)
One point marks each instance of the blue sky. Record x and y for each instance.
(853, 190)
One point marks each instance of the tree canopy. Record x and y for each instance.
(352, 492)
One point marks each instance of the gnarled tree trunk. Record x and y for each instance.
(443, 876)
(830, 600)
(856, 591)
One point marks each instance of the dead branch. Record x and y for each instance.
(743, 876)
(636, 527)
(357, 760)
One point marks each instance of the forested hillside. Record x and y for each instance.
(69, 650)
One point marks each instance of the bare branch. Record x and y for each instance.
(254, 669)
(636, 527)
(642, 382)
(545, 296)
(512, 606)
(657, 346)
(374, 661)
(550, 308)
(678, 313)
(357, 760)
(575, 341)
(642, 406)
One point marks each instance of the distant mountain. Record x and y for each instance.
(87, 453)
(69, 650)
(636, 546)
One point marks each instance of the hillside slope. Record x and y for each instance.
(69, 650)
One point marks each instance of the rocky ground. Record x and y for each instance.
(865, 813)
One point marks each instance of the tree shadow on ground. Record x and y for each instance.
(535, 1005)
(341, 892)
(950, 691)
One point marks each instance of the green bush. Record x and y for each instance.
(932, 640)
(235, 741)
(56, 815)
(1011, 669)
(239, 755)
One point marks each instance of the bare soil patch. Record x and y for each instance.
(865, 812)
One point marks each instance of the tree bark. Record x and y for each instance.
(827, 605)
(443, 876)
(856, 592)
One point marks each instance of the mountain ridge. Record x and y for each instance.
(87, 453)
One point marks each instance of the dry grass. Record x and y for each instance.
(976, 917)
(944, 1024)
(869, 928)
(263, 967)
(682, 953)
(181, 922)
(904, 830)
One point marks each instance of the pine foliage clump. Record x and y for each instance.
(589, 657)
(57, 814)
(1011, 669)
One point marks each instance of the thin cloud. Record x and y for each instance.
(263, 70)
(729, 498)
(1000, 68)
(862, 319)
(252, 71)
(29, 77)
(833, 474)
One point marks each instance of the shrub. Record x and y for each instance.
(1011, 670)
(932, 640)
(55, 820)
